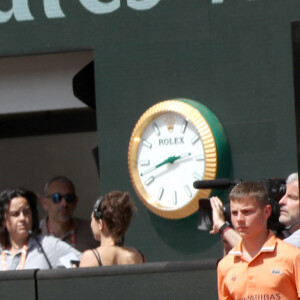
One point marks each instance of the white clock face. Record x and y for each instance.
(171, 146)
(170, 158)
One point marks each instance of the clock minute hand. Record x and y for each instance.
(183, 155)
(169, 160)
(166, 161)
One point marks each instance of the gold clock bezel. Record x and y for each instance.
(210, 150)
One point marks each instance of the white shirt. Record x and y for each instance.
(294, 239)
(35, 259)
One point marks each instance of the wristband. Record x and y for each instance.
(224, 228)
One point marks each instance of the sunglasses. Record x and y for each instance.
(57, 197)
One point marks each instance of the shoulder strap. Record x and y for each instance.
(142, 254)
(97, 255)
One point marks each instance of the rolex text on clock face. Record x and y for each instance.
(170, 158)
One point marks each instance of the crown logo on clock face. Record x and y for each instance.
(169, 120)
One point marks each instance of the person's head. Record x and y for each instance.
(18, 214)
(113, 212)
(59, 199)
(289, 203)
(249, 208)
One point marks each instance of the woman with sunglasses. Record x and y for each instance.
(109, 221)
(21, 246)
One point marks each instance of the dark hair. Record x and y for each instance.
(116, 210)
(250, 189)
(5, 198)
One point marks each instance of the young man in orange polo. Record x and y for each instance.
(260, 266)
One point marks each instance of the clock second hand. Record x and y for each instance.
(169, 160)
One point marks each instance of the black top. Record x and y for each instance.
(96, 253)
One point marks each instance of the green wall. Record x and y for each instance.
(234, 57)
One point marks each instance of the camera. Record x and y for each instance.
(276, 189)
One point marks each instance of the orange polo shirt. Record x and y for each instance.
(273, 274)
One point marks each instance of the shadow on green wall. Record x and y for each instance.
(183, 235)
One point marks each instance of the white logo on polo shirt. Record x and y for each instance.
(276, 271)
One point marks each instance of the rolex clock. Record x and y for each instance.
(173, 144)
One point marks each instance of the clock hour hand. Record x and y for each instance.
(169, 160)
